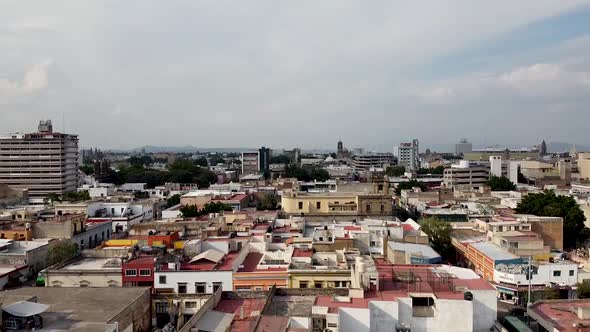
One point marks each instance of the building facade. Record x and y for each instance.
(44, 162)
(250, 162)
(408, 155)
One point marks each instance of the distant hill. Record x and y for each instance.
(187, 149)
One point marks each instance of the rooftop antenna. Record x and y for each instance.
(63, 122)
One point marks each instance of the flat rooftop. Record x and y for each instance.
(75, 308)
(493, 251)
(94, 264)
(423, 249)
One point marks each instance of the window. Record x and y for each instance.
(303, 284)
(317, 285)
(382, 208)
(162, 279)
(161, 307)
(300, 205)
(216, 286)
(368, 207)
(145, 272)
(321, 238)
(571, 273)
(130, 272)
(200, 287)
(557, 273)
(190, 304)
(380, 187)
(182, 288)
(318, 205)
(422, 306)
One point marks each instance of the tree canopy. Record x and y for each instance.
(316, 173)
(583, 290)
(61, 251)
(549, 204)
(500, 183)
(439, 235)
(191, 211)
(280, 159)
(268, 202)
(173, 200)
(409, 185)
(395, 170)
(181, 171)
(88, 169)
(70, 196)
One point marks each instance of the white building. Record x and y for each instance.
(408, 155)
(123, 215)
(560, 273)
(98, 190)
(496, 166)
(445, 298)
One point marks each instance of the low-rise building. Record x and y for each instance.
(410, 253)
(80, 309)
(33, 254)
(560, 315)
(83, 271)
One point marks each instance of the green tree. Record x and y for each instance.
(583, 290)
(201, 162)
(500, 183)
(61, 251)
(268, 202)
(190, 211)
(549, 204)
(72, 196)
(413, 183)
(395, 170)
(87, 169)
(51, 198)
(439, 235)
(173, 200)
(319, 174)
(280, 159)
(215, 207)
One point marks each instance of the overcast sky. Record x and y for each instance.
(297, 73)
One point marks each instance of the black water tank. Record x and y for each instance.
(468, 296)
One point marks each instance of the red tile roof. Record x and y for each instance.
(352, 228)
(562, 313)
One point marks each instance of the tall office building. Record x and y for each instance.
(44, 162)
(408, 155)
(462, 147)
(264, 155)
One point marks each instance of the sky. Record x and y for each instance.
(284, 74)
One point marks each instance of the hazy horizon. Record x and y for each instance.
(300, 74)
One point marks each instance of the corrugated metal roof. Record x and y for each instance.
(211, 255)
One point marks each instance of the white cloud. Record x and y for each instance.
(539, 83)
(35, 79)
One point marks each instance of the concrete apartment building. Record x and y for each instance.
(506, 154)
(465, 175)
(44, 162)
(364, 162)
(250, 162)
(584, 165)
(408, 155)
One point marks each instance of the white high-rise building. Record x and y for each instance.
(408, 155)
(45, 162)
(496, 166)
(462, 147)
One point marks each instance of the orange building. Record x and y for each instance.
(252, 276)
(17, 234)
(482, 257)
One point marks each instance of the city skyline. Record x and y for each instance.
(171, 75)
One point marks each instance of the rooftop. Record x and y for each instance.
(423, 249)
(493, 251)
(105, 264)
(75, 309)
(562, 315)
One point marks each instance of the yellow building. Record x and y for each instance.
(375, 201)
(316, 278)
(584, 165)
